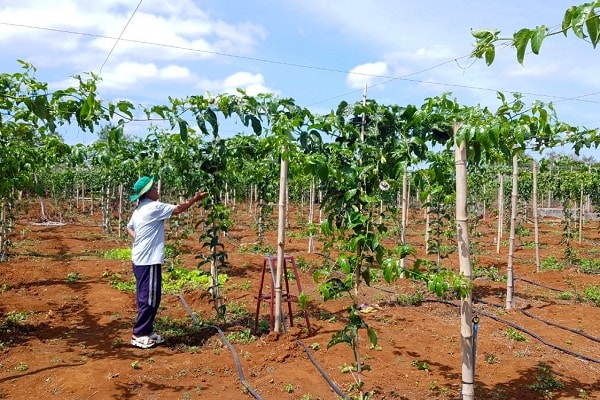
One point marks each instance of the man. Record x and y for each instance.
(147, 228)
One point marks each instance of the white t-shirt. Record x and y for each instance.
(148, 223)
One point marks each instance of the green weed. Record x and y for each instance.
(592, 293)
(118, 254)
(551, 264)
(73, 277)
(514, 335)
(546, 382)
(421, 365)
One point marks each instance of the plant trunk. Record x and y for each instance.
(427, 211)
(510, 280)
(120, 230)
(3, 231)
(311, 216)
(466, 306)
(404, 215)
(581, 214)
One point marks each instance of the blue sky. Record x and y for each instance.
(316, 52)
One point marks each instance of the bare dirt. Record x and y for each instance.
(72, 340)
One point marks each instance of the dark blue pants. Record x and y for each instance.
(148, 284)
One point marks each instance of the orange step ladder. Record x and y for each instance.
(269, 267)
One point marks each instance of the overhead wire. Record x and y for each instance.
(318, 68)
(120, 36)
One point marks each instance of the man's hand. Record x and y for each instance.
(200, 195)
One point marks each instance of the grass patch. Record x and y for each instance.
(118, 254)
(551, 264)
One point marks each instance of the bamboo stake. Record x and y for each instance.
(281, 240)
(500, 211)
(536, 229)
(510, 281)
(466, 306)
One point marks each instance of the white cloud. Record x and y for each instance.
(253, 84)
(366, 73)
(174, 72)
(127, 75)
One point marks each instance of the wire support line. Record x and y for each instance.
(120, 36)
(406, 78)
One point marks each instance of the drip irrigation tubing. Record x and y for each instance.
(236, 359)
(539, 284)
(528, 314)
(524, 330)
(238, 365)
(322, 372)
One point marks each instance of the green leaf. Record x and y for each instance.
(372, 336)
(183, 129)
(490, 54)
(520, 41)
(538, 36)
(592, 25)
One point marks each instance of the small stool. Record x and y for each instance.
(269, 266)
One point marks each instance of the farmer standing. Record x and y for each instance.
(147, 228)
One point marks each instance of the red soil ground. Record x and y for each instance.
(72, 341)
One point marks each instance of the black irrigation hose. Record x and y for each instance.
(322, 371)
(236, 359)
(539, 284)
(566, 328)
(525, 330)
(238, 365)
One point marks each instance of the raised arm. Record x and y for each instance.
(181, 207)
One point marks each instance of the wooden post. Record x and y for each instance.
(536, 229)
(510, 280)
(462, 230)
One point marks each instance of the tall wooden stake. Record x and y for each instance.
(283, 182)
(466, 303)
(534, 206)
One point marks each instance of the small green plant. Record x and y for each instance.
(289, 388)
(490, 358)
(408, 299)
(21, 367)
(73, 277)
(514, 335)
(592, 293)
(117, 282)
(567, 295)
(589, 266)
(136, 365)
(243, 337)
(546, 382)
(303, 300)
(421, 365)
(492, 273)
(551, 264)
(14, 317)
(118, 254)
(315, 346)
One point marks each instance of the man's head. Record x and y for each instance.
(141, 187)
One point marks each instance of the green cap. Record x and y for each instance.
(141, 186)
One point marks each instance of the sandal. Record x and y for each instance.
(143, 342)
(156, 337)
